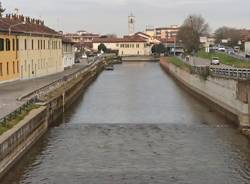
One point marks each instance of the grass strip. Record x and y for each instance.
(19, 117)
(225, 59)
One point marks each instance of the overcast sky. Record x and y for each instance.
(110, 16)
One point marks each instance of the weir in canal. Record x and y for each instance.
(136, 125)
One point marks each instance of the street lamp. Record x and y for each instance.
(14, 25)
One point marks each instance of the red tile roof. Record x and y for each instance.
(168, 40)
(81, 35)
(31, 26)
(119, 40)
(67, 40)
(245, 34)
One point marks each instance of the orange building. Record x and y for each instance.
(9, 64)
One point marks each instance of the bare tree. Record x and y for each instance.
(190, 32)
(231, 34)
(2, 10)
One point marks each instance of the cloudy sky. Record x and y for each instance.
(110, 16)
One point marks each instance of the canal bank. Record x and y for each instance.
(140, 59)
(53, 101)
(136, 125)
(227, 96)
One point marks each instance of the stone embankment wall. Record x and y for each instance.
(140, 58)
(227, 96)
(15, 142)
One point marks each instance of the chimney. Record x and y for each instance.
(22, 18)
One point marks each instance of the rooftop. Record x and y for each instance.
(26, 25)
(119, 40)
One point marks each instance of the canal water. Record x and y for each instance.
(135, 125)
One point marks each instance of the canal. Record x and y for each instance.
(136, 125)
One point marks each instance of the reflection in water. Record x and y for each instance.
(135, 125)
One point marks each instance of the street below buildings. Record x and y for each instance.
(136, 125)
(9, 92)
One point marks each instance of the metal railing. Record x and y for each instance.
(34, 96)
(230, 73)
(18, 111)
(58, 83)
(201, 70)
(219, 71)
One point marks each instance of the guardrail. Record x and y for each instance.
(201, 70)
(230, 72)
(15, 113)
(45, 90)
(219, 71)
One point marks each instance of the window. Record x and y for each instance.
(7, 68)
(1, 44)
(44, 44)
(38, 44)
(13, 44)
(1, 69)
(48, 44)
(32, 44)
(25, 44)
(13, 66)
(7, 44)
(17, 44)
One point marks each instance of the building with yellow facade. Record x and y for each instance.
(9, 64)
(36, 50)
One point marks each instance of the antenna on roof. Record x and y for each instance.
(1, 9)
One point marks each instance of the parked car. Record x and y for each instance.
(237, 49)
(230, 51)
(222, 49)
(78, 61)
(84, 56)
(247, 55)
(215, 61)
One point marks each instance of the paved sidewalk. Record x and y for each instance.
(10, 91)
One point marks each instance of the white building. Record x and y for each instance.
(126, 46)
(247, 48)
(68, 53)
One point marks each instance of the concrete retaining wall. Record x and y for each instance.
(140, 58)
(222, 94)
(15, 142)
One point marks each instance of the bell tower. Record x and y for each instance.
(131, 24)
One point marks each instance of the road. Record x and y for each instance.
(197, 61)
(134, 125)
(10, 91)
